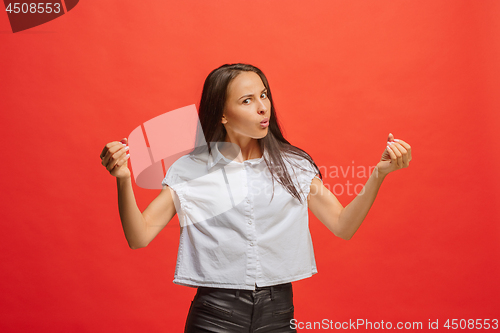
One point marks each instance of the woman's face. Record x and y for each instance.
(246, 107)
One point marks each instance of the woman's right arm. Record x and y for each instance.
(139, 228)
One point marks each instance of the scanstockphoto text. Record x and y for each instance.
(430, 324)
(340, 180)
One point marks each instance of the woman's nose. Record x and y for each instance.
(262, 108)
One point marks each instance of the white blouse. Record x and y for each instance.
(232, 234)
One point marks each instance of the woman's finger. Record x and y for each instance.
(394, 157)
(114, 158)
(406, 152)
(399, 156)
(403, 143)
(404, 159)
(406, 162)
(119, 155)
(111, 148)
(103, 152)
(121, 161)
(407, 147)
(385, 154)
(400, 147)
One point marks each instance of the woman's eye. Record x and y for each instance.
(248, 99)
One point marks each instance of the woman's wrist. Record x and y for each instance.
(379, 173)
(123, 179)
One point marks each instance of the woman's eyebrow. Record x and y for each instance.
(249, 95)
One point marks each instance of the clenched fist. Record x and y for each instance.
(114, 157)
(397, 155)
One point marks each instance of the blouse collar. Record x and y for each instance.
(216, 157)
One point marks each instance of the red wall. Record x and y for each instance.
(343, 75)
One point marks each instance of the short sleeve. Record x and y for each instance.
(176, 173)
(168, 177)
(173, 179)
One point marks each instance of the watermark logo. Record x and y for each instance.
(161, 141)
(28, 14)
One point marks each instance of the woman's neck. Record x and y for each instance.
(249, 148)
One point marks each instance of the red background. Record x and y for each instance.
(343, 75)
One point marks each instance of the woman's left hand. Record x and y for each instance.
(397, 155)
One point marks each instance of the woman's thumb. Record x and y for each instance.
(124, 140)
(390, 137)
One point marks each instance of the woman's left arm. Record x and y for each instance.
(345, 221)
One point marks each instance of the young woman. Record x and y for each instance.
(242, 202)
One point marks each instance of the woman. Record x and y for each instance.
(242, 202)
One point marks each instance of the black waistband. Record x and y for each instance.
(276, 286)
(257, 288)
(236, 292)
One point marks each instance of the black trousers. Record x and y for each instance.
(265, 309)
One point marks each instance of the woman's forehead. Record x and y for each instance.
(246, 83)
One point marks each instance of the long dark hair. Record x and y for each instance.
(210, 113)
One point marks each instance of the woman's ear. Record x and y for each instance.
(224, 120)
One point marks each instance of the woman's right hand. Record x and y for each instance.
(114, 157)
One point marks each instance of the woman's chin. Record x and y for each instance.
(262, 135)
